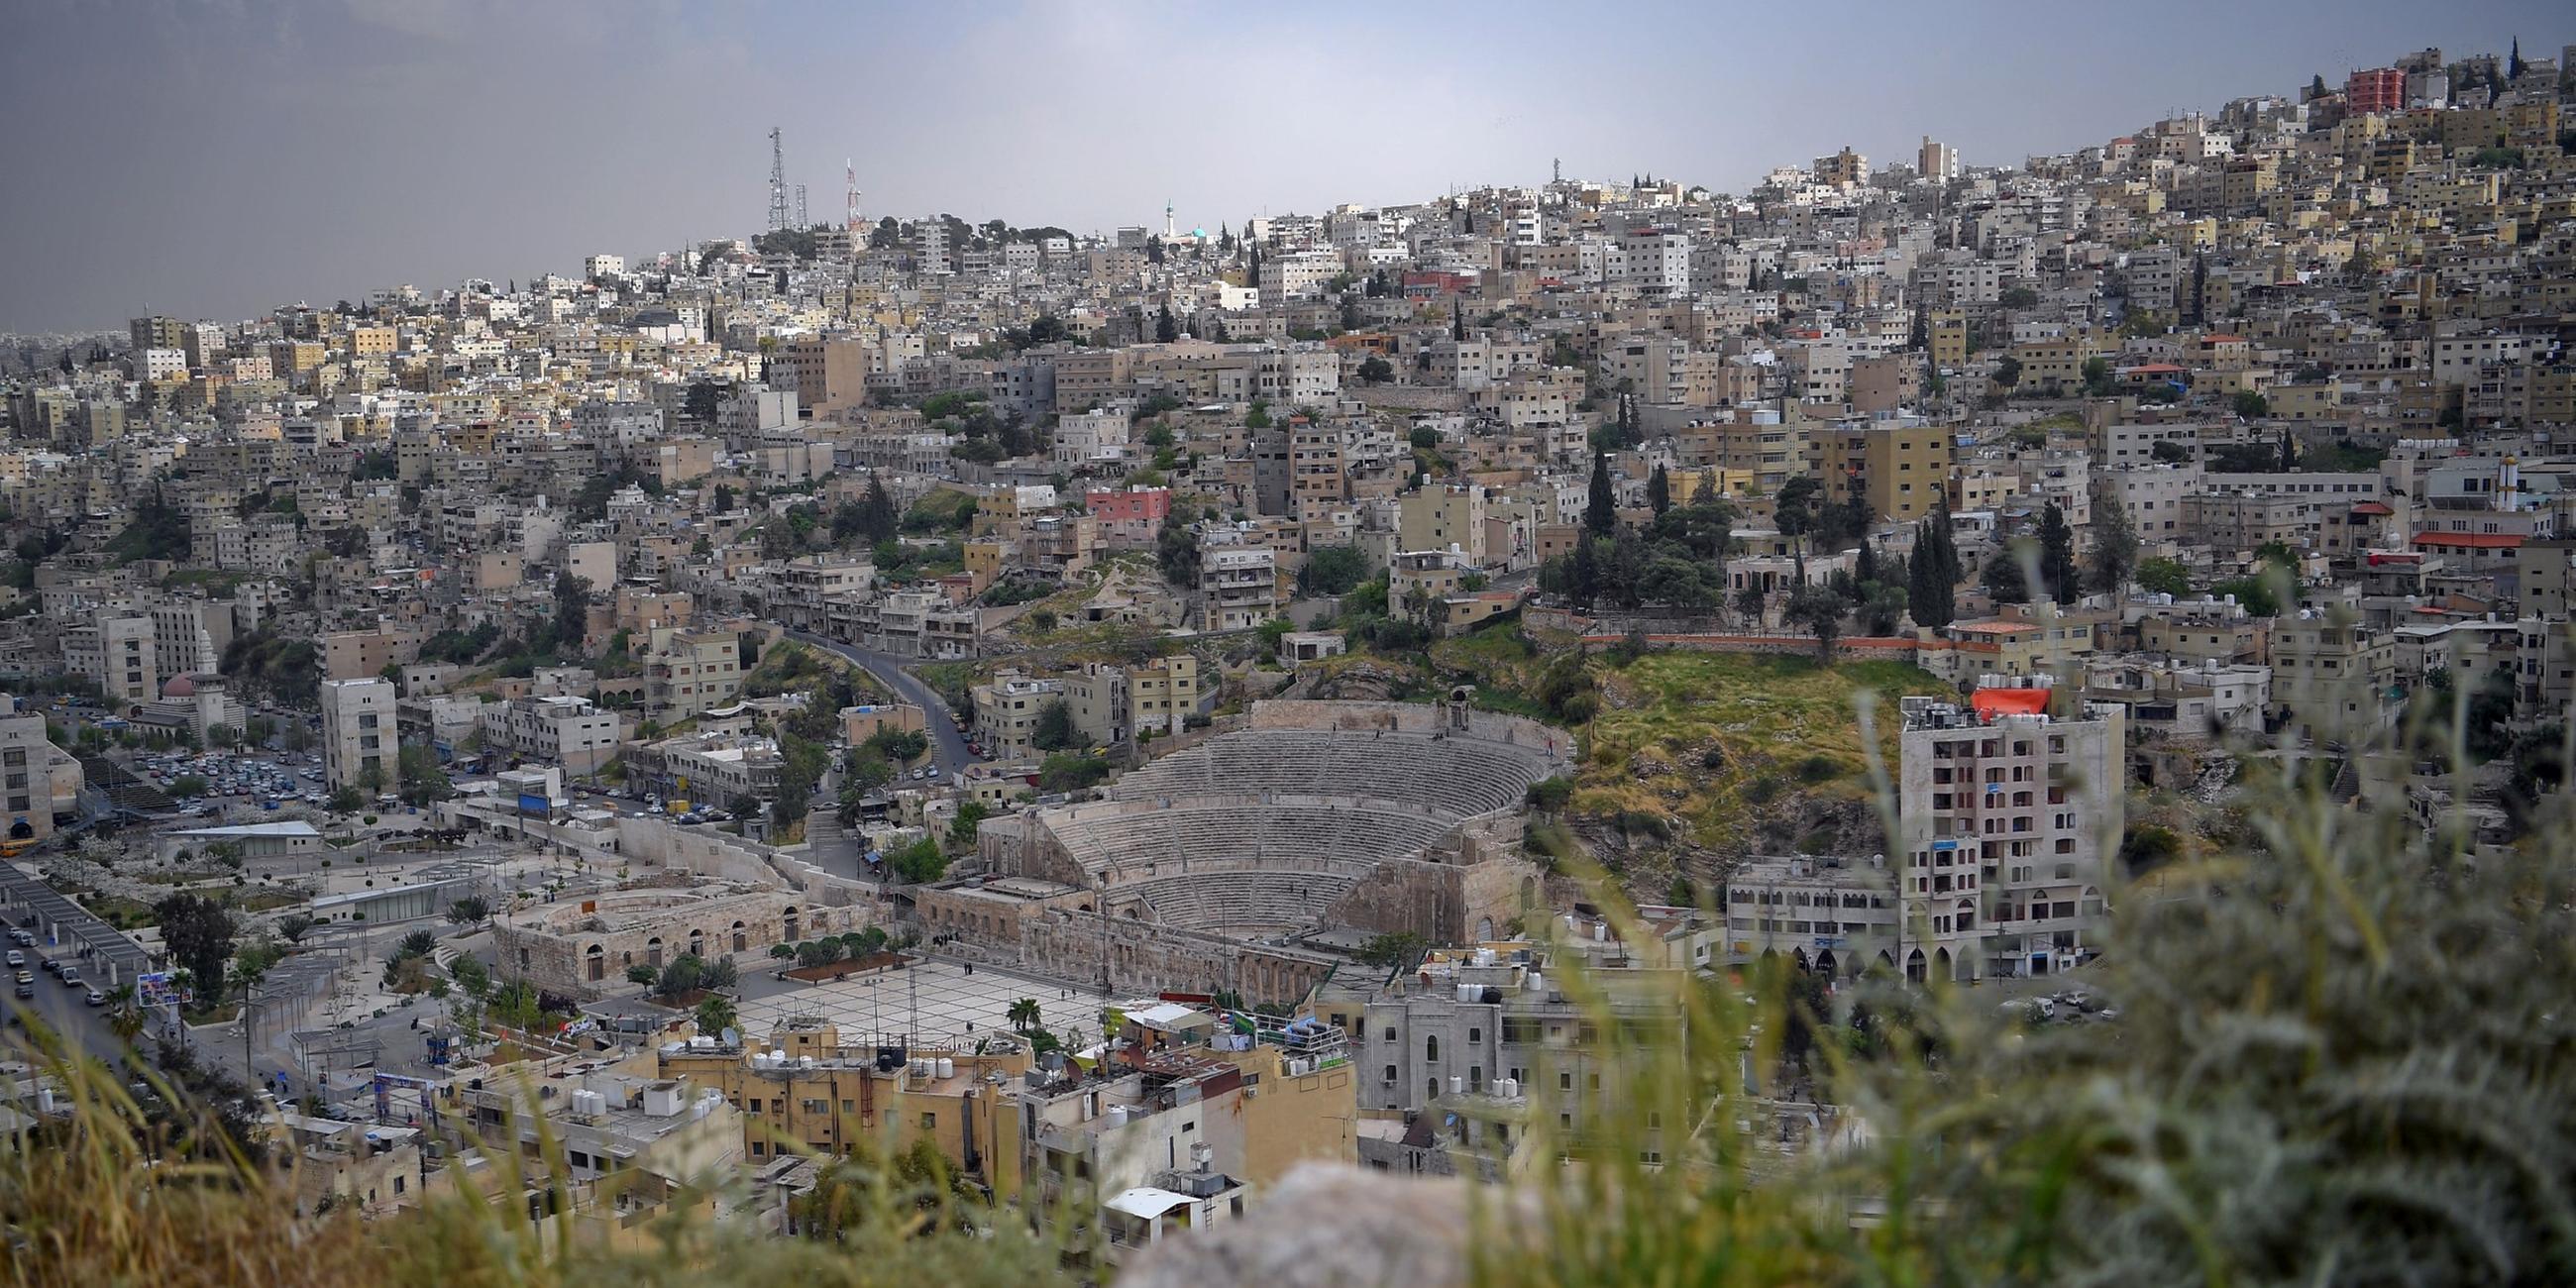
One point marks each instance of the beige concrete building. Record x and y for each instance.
(359, 748)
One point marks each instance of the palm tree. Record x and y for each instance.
(715, 1014)
(124, 1018)
(1023, 1015)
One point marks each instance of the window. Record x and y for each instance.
(1390, 1075)
(929, 1121)
(1431, 1048)
(1565, 1082)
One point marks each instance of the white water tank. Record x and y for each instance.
(1467, 993)
(947, 1068)
(1457, 1084)
(1534, 982)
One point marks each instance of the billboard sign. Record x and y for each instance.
(533, 803)
(160, 988)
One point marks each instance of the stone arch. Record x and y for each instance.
(1964, 916)
(697, 942)
(1484, 928)
(1942, 964)
(790, 930)
(1529, 893)
(595, 964)
(741, 937)
(653, 952)
(1914, 965)
(1825, 962)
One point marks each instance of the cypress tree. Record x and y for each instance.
(1659, 490)
(1601, 510)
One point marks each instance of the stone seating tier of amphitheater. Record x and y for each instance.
(1312, 831)
(1453, 778)
(1244, 900)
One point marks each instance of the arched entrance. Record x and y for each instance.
(741, 937)
(789, 930)
(697, 943)
(1914, 965)
(1825, 961)
(595, 963)
(653, 952)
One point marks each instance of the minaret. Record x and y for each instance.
(1167, 220)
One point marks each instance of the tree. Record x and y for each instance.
(423, 779)
(1165, 329)
(2004, 579)
(1601, 511)
(1176, 550)
(1820, 612)
(346, 800)
(2007, 372)
(199, 933)
(1659, 490)
(295, 925)
(1054, 730)
(2251, 405)
(1332, 570)
(2057, 568)
(1376, 370)
(715, 1014)
(2163, 576)
(2115, 543)
(1551, 795)
(1022, 1015)
(1794, 511)
(572, 611)
(472, 910)
(1393, 950)
(222, 735)
(639, 973)
(970, 816)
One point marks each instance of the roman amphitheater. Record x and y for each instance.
(1214, 866)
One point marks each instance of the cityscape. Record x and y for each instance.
(1723, 727)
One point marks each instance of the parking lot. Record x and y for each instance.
(204, 782)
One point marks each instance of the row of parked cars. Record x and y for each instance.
(26, 979)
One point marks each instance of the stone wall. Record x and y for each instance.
(585, 948)
(1146, 958)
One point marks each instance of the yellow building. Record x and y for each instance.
(1163, 694)
(802, 1092)
(1902, 471)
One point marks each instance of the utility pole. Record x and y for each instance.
(777, 181)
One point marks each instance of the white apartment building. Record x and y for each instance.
(359, 746)
(569, 732)
(2007, 818)
(118, 653)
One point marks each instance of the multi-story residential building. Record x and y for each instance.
(119, 653)
(38, 780)
(1008, 711)
(1238, 587)
(2007, 816)
(687, 672)
(359, 746)
(2336, 681)
(1492, 1027)
(572, 733)
(712, 770)
(1901, 470)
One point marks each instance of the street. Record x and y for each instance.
(946, 740)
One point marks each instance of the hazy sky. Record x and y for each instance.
(206, 158)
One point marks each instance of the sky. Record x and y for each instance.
(216, 158)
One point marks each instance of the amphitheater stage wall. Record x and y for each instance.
(1445, 903)
(1148, 958)
(1409, 717)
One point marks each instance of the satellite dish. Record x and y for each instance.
(732, 1038)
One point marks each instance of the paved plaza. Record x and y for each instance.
(951, 1006)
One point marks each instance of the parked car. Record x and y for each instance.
(16, 959)
(71, 977)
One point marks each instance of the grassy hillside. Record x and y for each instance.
(1749, 752)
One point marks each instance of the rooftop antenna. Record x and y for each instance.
(777, 181)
